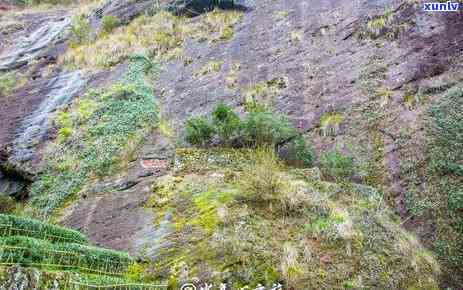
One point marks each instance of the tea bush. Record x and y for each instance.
(13, 225)
(336, 165)
(199, 131)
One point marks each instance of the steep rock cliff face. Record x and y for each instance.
(357, 75)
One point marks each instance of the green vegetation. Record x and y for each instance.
(198, 131)
(99, 128)
(109, 23)
(210, 67)
(20, 226)
(260, 96)
(59, 257)
(330, 123)
(80, 30)
(336, 165)
(262, 128)
(7, 204)
(7, 83)
(299, 152)
(445, 164)
(250, 220)
(159, 36)
(258, 129)
(32, 242)
(446, 131)
(29, 251)
(226, 123)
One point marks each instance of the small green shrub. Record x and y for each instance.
(80, 30)
(109, 23)
(264, 128)
(12, 225)
(298, 152)
(226, 123)
(336, 165)
(7, 84)
(199, 131)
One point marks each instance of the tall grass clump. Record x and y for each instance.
(262, 179)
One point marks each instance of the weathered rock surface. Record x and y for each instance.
(112, 213)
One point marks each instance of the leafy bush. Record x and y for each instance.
(446, 133)
(226, 123)
(109, 23)
(260, 128)
(264, 128)
(80, 30)
(336, 165)
(199, 131)
(298, 152)
(13, 225)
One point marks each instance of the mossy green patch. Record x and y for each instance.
(311, 234)
(93, 136)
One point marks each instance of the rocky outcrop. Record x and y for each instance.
(113, 212)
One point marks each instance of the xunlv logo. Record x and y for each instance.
(437, 6)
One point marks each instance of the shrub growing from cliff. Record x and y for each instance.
(226, 123)
(109, 23)
(259, 128)
(198, 131)
(336, 165)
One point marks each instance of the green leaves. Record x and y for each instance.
(446, 132)
(337, 165)
(226, 123)
(198, 131)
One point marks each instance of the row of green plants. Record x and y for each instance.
(262, 128)
(29, 251)
(259, 128)
(11, 225)
(95, 134)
